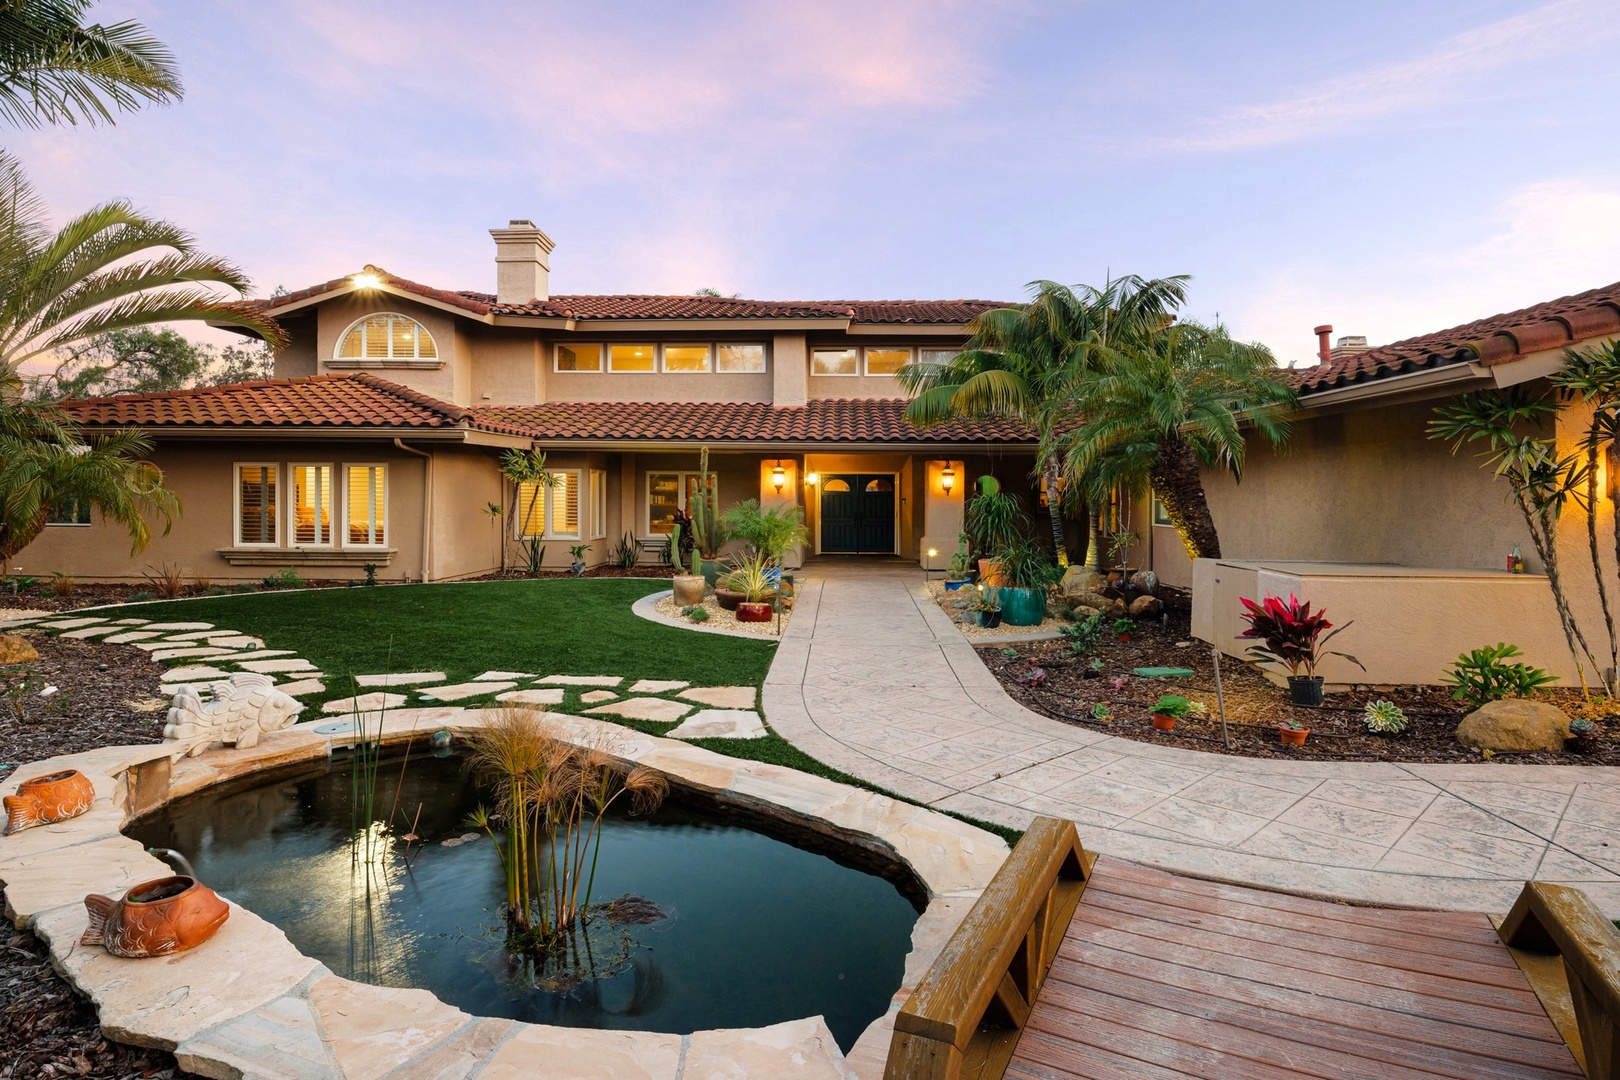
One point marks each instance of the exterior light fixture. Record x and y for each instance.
(367, 279)
(779, 477)
(812, 479)
(933, 553)
(947, 479)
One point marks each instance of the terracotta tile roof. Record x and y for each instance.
(631, 306)
(1496, 340)
(833, 420)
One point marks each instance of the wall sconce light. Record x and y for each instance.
(812, 479)
(779, 477)
(947, 479)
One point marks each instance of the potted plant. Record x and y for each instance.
(1124, 628)
(1168, 709)
(772, 533)
(1119, 549)
(1025, 572)
(687, 589)
(1292, 733)
(728, 592)
(957, 575)
(1583, 737)
(577, 553)
(988, 606)
(750, 577)
(1291, 635)
(993, 521)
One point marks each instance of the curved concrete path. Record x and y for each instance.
(872, 678)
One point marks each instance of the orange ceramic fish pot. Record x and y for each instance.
(46, 799)
(155, 918)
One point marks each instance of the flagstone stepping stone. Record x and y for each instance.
(400, 678)
(181, 675)
(457, 691)
(196, 652)
(69, 624)
(231, 656)
(591, 697)
(286, 663)
(364, 703)
(582, 680)
(132, 622)
(131, 635)
(501, 676)
(721, 724)
(179, 626)
(90, 632)
(197, 635)
(303, 688)
(545, 695)
(658, 686)
(237, 641)
(658, 710)
(722, 697)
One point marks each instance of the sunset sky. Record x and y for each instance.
(1388, 167)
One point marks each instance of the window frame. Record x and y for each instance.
(866, 351)
(599, 499)
(89, 516)
(681, 475)
(387, 494)
(556, 358)
(608, 359)
(708, 357)
(855, 354)
(921, 349)
(292, 504)
(550, 532)
(236, 505)
(764, 356)
(337, 347)
(1159, 515)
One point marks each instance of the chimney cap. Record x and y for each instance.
(1325, 328)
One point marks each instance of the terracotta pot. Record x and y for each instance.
(1292, 736)
(990, 572)
(747, 612)
(47, 799)
(1124, 636)
(729, 598)
(688, 589)
(1163, 721)
(155, 918)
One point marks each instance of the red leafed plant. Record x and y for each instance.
(1291, 634)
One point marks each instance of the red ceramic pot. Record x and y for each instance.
(747, 612)
(1163, 721)
(155, 918)
(47, 799)
(1292, 736)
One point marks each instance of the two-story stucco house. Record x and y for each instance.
(379, 439)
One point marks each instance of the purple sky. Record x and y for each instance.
(1389, 167)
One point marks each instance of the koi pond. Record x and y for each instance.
(704, 920)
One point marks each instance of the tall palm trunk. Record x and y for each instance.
(1051, 472)
(1178, 480)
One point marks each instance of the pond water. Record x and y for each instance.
(757, 931)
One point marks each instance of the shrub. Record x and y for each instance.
(1383, 718)
(371, 573)
(286, 579)
(994, 518)
(216, 590)
(1083, 636)
(626, 553)
(1173, 705)
(1489, 674)
(1025, 565)
(167, 581)
(1291, 634)
(62, 585)
(140, 596)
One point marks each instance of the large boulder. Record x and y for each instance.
(1146, 581)
(1146, 607)
(1078, 581)
(15, 649)
(1514, 726)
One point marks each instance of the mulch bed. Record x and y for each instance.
(1046, 677)
(103, 698)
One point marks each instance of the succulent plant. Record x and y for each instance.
(1383, 718)
(1582, 728)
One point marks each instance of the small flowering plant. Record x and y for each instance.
(1290, 634)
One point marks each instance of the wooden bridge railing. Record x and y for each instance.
(965, 1017)
(1555, 920)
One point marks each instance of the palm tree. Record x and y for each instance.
(1156, 413)
(55, 70)
(1022, 361)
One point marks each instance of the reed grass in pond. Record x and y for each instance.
(750, 930)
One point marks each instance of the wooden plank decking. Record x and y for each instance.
(1165, 976)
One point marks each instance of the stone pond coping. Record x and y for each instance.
(248, 1004)
(647, 609)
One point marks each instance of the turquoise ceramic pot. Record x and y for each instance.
(1022, 607)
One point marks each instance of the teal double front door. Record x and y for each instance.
(857, 513)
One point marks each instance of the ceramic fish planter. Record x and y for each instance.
(244, 707)
(47, 799)
(155, 918)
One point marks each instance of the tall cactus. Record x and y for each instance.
(675, 547)
(707, 530)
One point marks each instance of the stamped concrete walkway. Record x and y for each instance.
(873, 679)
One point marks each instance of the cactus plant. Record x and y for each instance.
(675, 546)
(708, 531)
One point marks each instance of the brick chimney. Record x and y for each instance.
(522, 263)
(1322, 346)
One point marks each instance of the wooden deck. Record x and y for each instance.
(1165, 976)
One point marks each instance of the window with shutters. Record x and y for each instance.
(366, 506)
(256, 517)
(549, 512)
(311, 505)
(387, 336)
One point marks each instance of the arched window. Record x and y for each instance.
(387, 336)
(836, 485)
(882, 483)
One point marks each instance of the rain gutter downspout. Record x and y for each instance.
(427, 507)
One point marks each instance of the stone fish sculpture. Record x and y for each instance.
(44, 800)
(155, 918)
(244, 707)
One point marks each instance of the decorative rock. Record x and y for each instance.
(290, 663)
(1514, 726)
(721, 724)
(15, 649)
(548, 695)
(803, 1049)
(1078, 580)
(658, 686)
(403, 678)
(250, 707)
(1146, 607)
(658, 710)
(1146, 580)
(1085, 612)
(502, 676)
(457, 691)
(581, 680)
(590, 697)
(722, 697)
(364, 703)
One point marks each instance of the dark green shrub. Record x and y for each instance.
(1488, 674)
(1084, 635)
